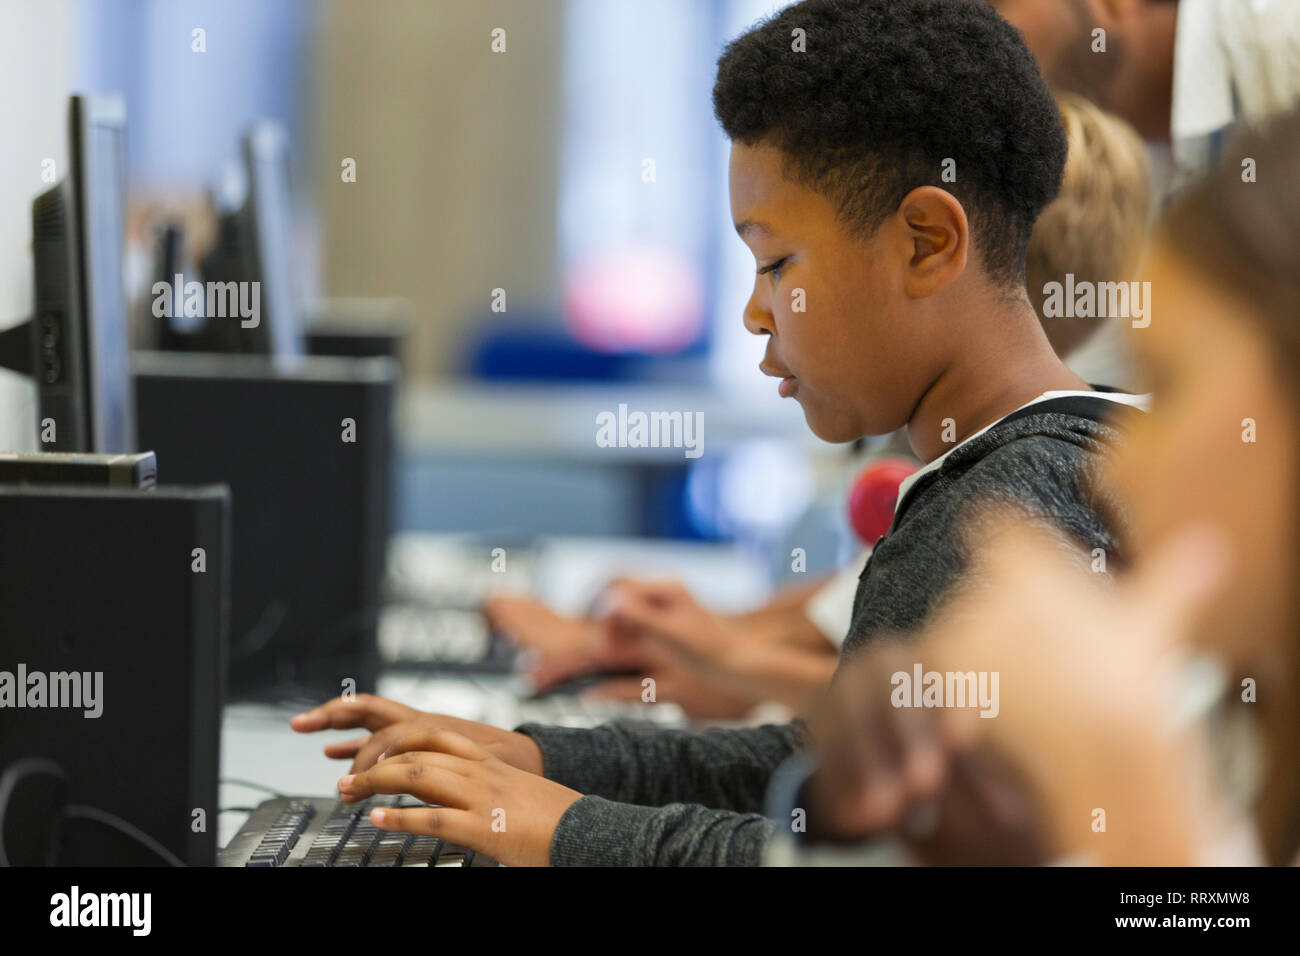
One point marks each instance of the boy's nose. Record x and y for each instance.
(757, 319)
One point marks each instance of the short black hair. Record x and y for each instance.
(885, 92)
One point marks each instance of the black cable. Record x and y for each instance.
(78, 811)
(73, 811)
(23, 767)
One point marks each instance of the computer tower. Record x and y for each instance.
(107, 584)
(357, 328)
(306, 449)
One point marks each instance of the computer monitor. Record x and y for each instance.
(253, 246)
(80, 331)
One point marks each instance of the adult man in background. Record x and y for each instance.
(1183, 72)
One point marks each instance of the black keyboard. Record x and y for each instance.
(323, 831)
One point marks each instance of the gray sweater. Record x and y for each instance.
(658, 797)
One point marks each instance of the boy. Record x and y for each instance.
(889, 158)
(716, 665)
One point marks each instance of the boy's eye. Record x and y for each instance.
(774, 270)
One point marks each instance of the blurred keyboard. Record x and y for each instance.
(505, 702)
(435, 586)
(323, 831)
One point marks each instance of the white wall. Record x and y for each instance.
(36, 54)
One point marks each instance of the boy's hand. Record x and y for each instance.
(876, 761)
(533, 625)
(390, 721)
(553, 669)
(667, 613)
(698, 694)
(1079, 720)
(484, 803)
(1088, 688)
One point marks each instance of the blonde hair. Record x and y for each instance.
(1096, 225)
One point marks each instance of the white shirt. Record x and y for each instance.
(831, 608)
(1234, 61)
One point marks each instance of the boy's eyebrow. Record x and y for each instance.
(751, 225)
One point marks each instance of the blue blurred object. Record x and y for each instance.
(537, 355)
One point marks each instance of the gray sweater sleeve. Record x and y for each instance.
(650, 790)
(647, 764)
(598, 832)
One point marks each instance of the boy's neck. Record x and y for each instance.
(981, 386)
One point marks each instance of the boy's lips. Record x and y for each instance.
(788, 382)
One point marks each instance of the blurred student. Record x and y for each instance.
(1093, 233)
(1184, 72)
(1096, 697)
(723, 665)
(890, 293)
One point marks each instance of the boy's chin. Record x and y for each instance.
(831, 428)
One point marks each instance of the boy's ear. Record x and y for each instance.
(939, 236)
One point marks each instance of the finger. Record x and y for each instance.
(555, 669)
(371, 750)
(642, 625)
(913, 732)
(622, 656)
(450, 823)
(627, 621)
(423, 779)
(663, 590)
(448, 762)
(616, 586)
(437, 742)
(920, 756)
(365, 710)
(630, 610)
(881, 797)
(343, 749)
(498, 606)
(626, 655)
(860, 776)
(849, 801)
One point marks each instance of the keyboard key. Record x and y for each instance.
(423, 851)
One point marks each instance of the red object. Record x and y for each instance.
(873, 495)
